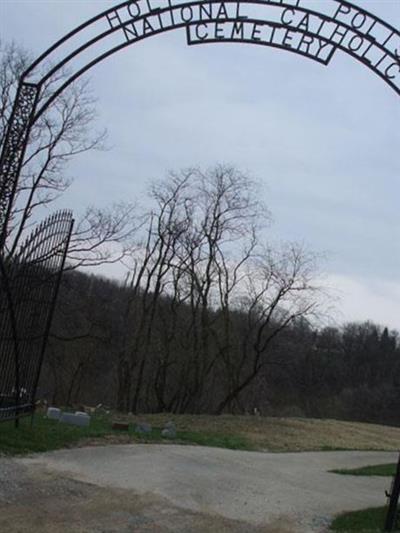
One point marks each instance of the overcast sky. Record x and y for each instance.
(325, 141)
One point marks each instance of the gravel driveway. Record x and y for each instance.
(186, 488)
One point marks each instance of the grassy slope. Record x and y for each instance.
(235, 432)
(44, 435)
(289, 434)
(47, 435)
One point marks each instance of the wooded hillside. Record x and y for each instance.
(350, 372)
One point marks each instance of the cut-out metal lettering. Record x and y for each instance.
(292, 25)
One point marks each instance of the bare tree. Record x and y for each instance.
(153, 258)
(204, 256)
(64, 131)
(278, 290)
(224, 213)
(201, 253)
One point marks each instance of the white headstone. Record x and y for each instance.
(54, 413)
(75, 420)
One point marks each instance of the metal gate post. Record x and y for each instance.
(391, 517)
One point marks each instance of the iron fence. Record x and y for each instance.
(29, 283)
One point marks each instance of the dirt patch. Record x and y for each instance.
(34, 500)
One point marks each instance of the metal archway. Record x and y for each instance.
(292, 25)
(296, 26)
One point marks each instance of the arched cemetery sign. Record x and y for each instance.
(312, 29)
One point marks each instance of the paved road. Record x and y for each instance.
(294, 489)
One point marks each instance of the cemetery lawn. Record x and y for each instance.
(227, 431)
(45, 435)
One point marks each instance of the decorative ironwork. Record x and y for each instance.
(392, 516)
(14, 146)
(29, 285)
(29, 282)
(293, 25)
(297, 26)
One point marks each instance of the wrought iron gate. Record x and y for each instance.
(29, 283)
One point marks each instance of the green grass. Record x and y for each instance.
(232, 442)
(367, 520)
(47, 435)
(326, 448)
(226, 431)
(215, 440)
(388, 469)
